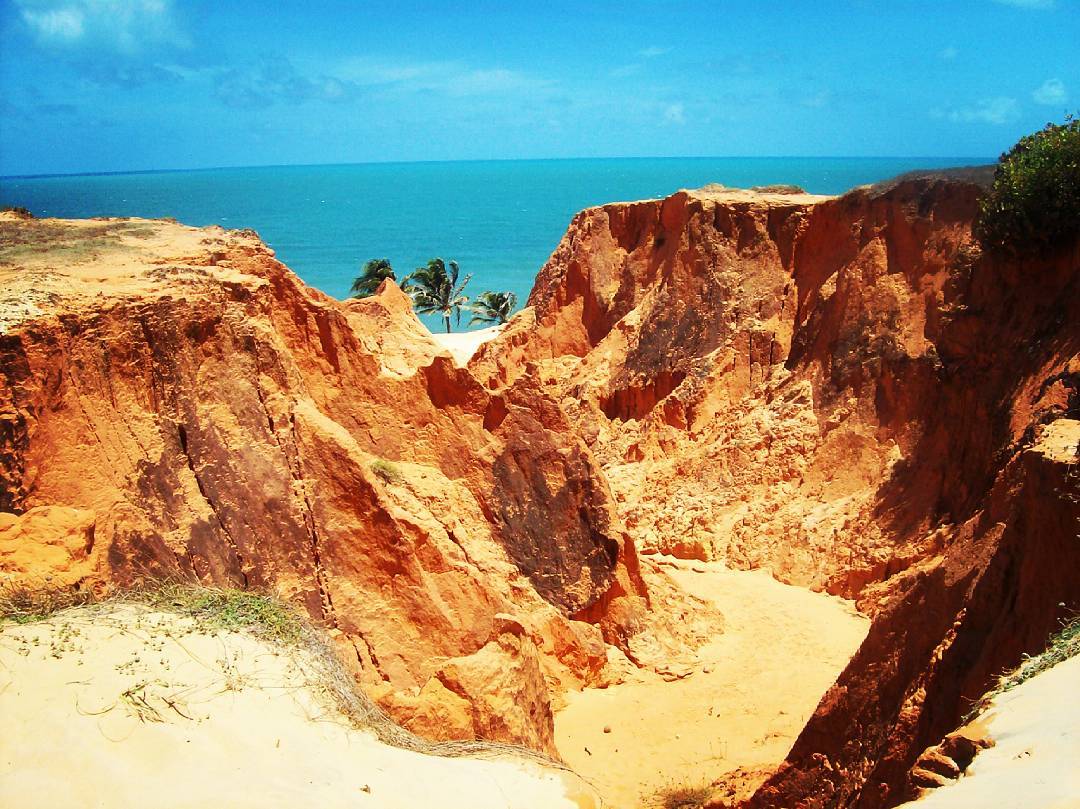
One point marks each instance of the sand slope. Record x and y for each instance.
(1035, 760)
(132, 708)
(741, 706)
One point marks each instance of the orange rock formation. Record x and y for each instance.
(842, 390)
(847, 392)
(176, 403)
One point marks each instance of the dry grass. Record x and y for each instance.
(29, 603)
(683, 796)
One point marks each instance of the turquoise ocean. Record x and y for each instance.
(499, 220)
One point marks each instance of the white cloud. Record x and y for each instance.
(1051, 93)
(446, 78)
(1000, 110)
(949, 53)
(652, 52)
(493, 82)
(675, 114)
(1037, 4)
(59, 24)
(124, 26)
(817, 100)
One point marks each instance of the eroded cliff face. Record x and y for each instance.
(844, 391)
(175, 403)
(751, 365)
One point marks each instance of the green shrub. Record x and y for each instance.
(1033, 207)
(389, 471)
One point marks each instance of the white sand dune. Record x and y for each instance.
(132, 708)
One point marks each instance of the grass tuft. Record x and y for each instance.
(683, 796)
(23, 603)
(389, 471)
(261, 614)
(1062, 646)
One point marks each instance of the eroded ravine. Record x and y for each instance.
(740, 706)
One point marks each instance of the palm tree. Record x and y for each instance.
(374, 273)
(493, 307)
(434, 290)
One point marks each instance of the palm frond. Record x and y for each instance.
(434, 289)
(493, 307)
(372, 274)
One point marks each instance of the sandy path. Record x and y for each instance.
(782, 647)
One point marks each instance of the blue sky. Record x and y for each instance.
(112, 85)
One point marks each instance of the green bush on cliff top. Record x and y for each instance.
(1033, 207)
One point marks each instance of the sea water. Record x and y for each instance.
(499, 220)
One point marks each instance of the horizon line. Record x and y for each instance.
(123, 172)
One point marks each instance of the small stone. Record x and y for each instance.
(607, 728)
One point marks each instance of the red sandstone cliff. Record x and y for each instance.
(844, 391)
(174, 402)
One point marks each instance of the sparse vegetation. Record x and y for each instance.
(1033, 207)
(683, 796)
(18, 210)
(34, 240)
(1061, 646)
(779, 188)
(389, 471)
(212, 609)
(230, 610)
(23, 603)
(374, 272)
